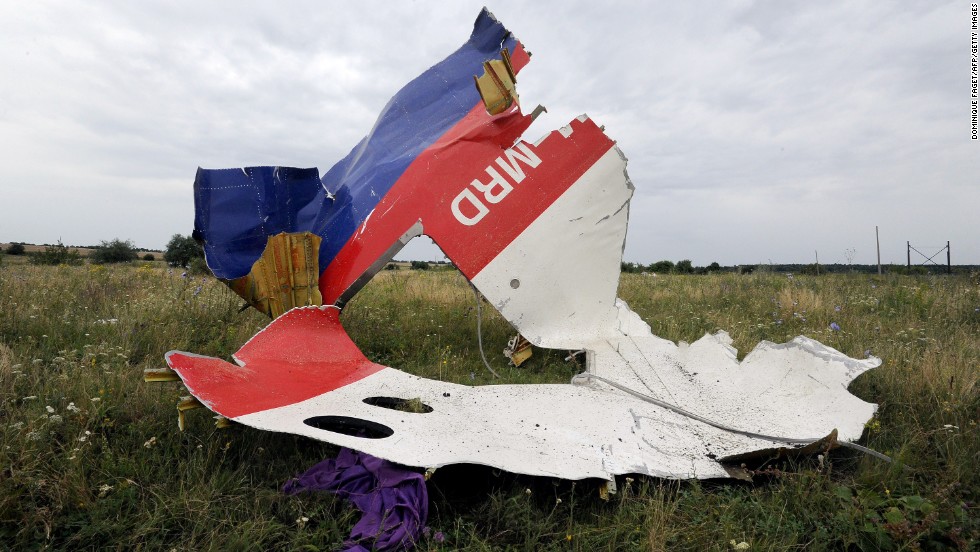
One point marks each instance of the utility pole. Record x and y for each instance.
(949, 265)
(878, 246)
(908, 253)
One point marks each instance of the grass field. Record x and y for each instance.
(90, 455)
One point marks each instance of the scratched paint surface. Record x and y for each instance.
(538, 227)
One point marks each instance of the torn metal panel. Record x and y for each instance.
(539, 228)
(569, 431)
(284, 276)
(498, 84)
(518, 350)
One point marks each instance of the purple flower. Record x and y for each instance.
(183, 274)
(439, 537)
(837, 308)
(834, 326)
(867, 353)
(198, 290)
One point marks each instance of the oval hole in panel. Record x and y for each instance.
(355, 427)
(413, 406)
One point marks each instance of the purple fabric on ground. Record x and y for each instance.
(394, 500)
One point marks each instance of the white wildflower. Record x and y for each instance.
(149, 444)
(104, 489)
(72, 408)
(50, 409)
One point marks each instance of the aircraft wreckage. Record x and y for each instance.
(538, 228)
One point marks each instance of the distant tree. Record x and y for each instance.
(684, 267)
(115, 251)
(56, 254)
(149, 257)
(391, 266)
(420, 265)
(662, 267)
(631, 268)
(181, 250)
(16, 249)
(713, 267)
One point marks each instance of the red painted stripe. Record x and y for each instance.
(427, 188)
(415, 194)
(300, 355)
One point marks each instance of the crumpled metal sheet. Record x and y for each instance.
(539, 228)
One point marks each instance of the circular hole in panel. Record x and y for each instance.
(515, 283)
(355, 427)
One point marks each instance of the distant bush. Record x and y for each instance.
(149, 257)
(684, 267)
(56, 254)
(115, 251)
(391, 266)
(16, 249)
(420, 265)
(198, 266)
(662, 267)
(181, 250)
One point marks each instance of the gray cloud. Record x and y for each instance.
(756, 131)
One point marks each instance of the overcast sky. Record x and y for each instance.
(755, 131)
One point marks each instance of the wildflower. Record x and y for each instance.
(568, 538)
(739, 546)
(183, 274)
(527, 492)
(439, 537)
(55, 419)
(835, 326)
(29, 398)
(197, 290)
(104, 489)
(72, 408)
(96, 399)
(149, 444)
(50, 409)
(34, 436)
(837, 308)
(301, 521)
(867, 353)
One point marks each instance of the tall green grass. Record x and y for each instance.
(90, 456)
